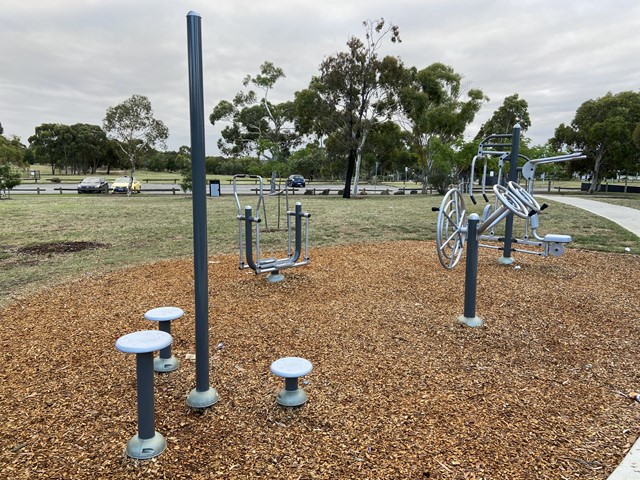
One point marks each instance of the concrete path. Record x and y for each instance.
(626, 217)
(629, 468)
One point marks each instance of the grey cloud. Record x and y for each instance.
(67, 61)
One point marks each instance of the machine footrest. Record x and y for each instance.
(552, 238)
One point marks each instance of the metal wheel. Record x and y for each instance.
(524, 196)
(511, 201)
(451, 229)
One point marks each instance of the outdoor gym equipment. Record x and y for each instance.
(290, 368)
(453, 230)
(165, 362)
(503, 146)
(147, 443)
(451, 226)
(246, 221)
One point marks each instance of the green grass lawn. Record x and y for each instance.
(147, 228)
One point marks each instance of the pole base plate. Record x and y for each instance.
(205, 399)
(471, 322)
(144, 448)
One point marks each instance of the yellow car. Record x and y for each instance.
(120, 185)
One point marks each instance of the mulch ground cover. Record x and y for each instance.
(399, 388)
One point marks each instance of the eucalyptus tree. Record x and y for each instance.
(354, 89)
(435, 110)
(89, 146)
(133, 125)
(52, 144)
(604, 130)
(513, 110)
(255, 124)
(387, 149)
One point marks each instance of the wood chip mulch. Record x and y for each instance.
(399, 388)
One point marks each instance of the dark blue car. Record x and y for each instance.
(295, 181)
(93, 185)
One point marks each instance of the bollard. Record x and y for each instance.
(469, 317)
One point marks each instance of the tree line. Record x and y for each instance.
(362, 115)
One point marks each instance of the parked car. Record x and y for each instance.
(295, 181)
(93, 185)
(121, 184)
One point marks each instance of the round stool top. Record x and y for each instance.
(144, 341)
(291, 367)
(164, 314)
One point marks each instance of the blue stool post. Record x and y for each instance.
(165, 362)
(147, 443)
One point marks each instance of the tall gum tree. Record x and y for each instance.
(434, 110)
(350, 94)
(255, 124)
(513, 110)
(603, 129)
(132, 124)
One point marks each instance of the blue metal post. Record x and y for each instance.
(202, 396)
(144, 370)
(471, 275)
(513, 176)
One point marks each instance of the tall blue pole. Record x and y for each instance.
(513, 176)
(202, 396)
(469, 316)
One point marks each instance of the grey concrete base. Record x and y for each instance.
(143, 449)
(471, 322)
(292, 398)
(275, 277)
(205, 399)
(506, 260)
(165, 364)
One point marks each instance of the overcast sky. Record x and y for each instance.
(67, 61)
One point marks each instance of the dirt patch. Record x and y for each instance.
(59, 247)
(399, 389)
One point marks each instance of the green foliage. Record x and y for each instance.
(354, 89)
(187, 177)
(513, 110)
(603, 129)
(164, 161)
(133, 125)
(11, 160)
(231, 166)
(12, 151)
(80, 148)
(311, 162)
(433, 109)
(9, 176)
(387, 148)
(255, 125)
(442, 173)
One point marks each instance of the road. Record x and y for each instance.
(171, 188)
